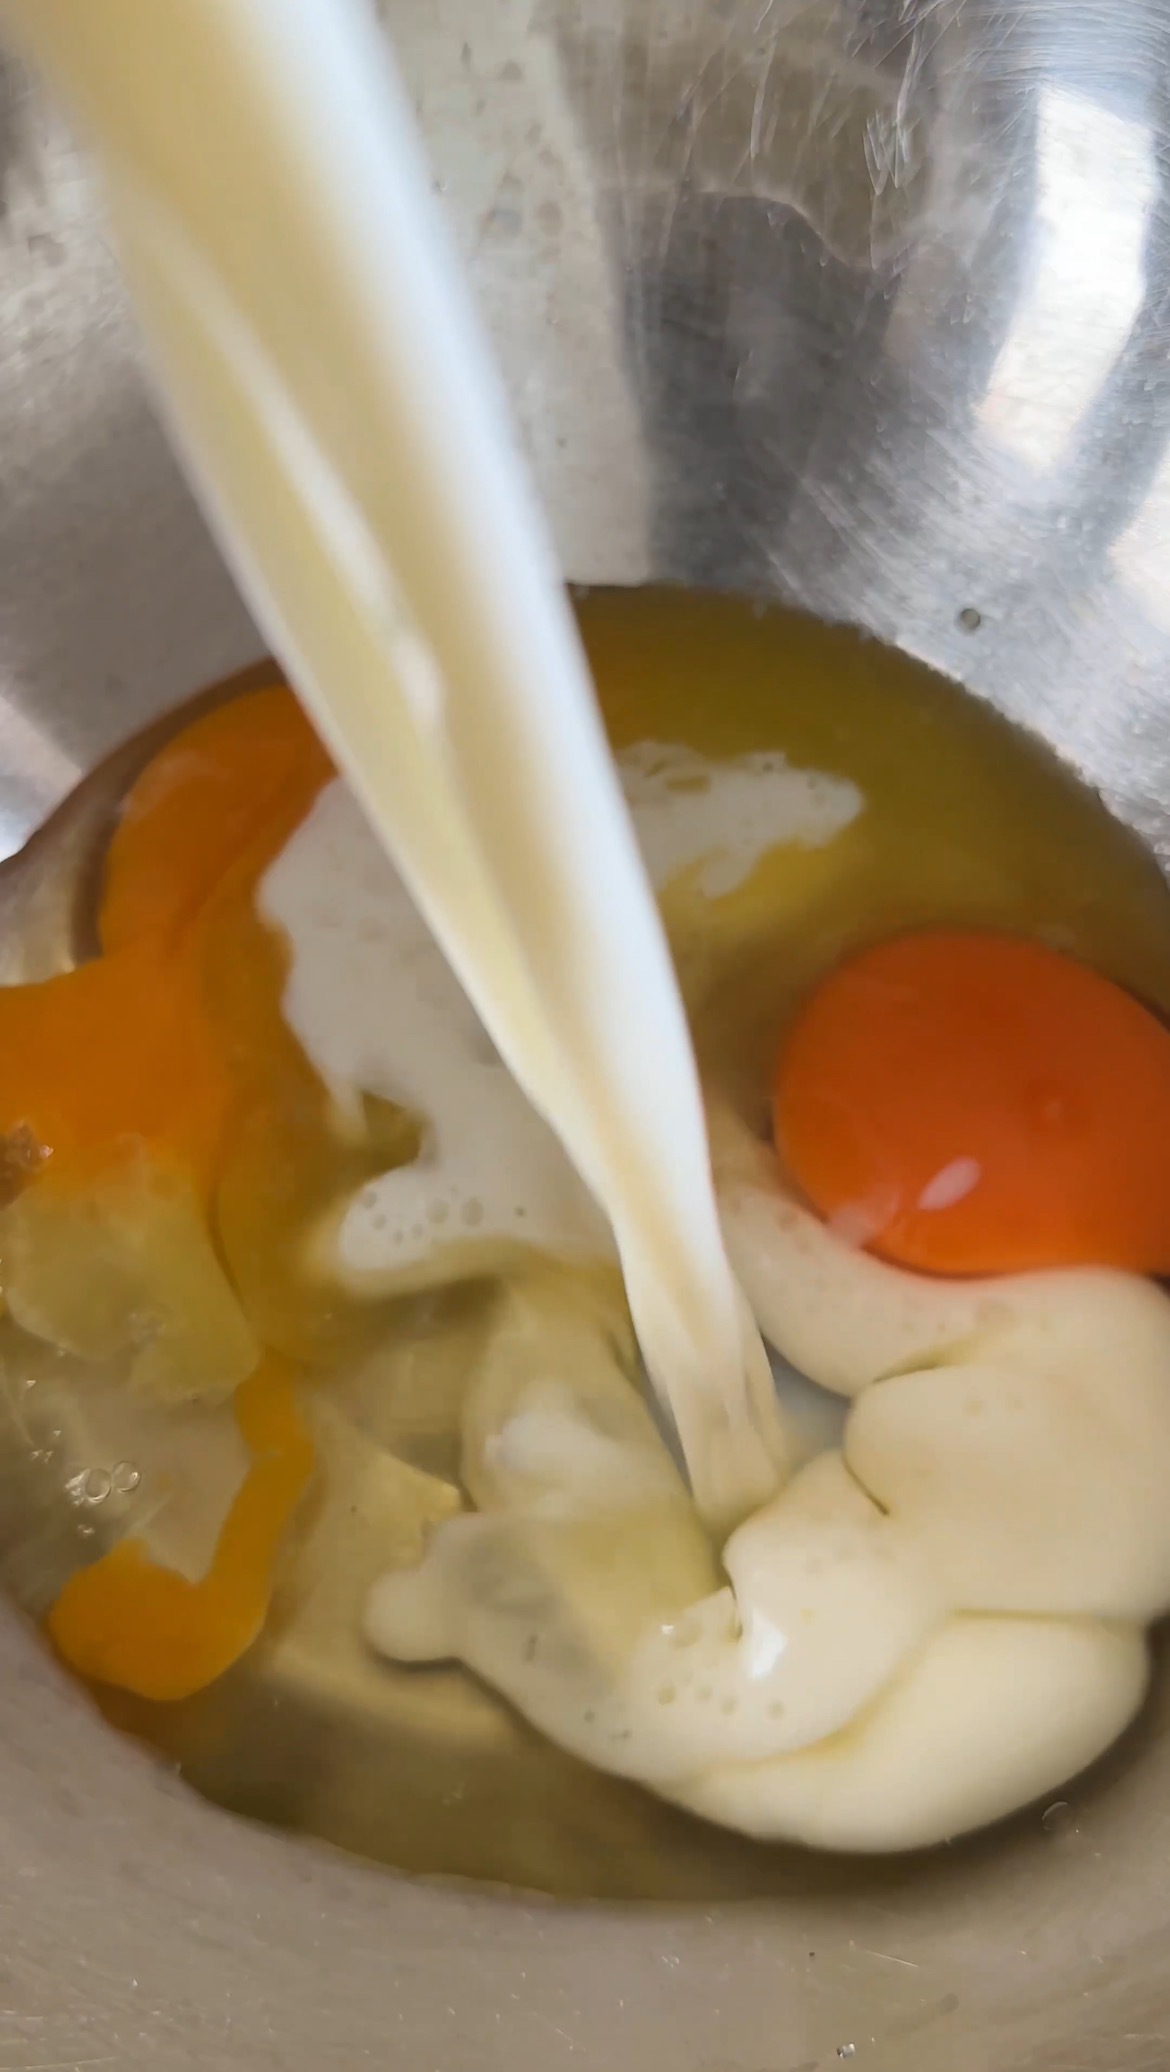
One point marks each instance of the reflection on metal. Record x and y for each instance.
(1141, 554)
(1095, 181)
(862, 302)
(34, 772)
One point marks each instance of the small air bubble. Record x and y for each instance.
(472, 1213)
(85, 1532)
(1056, 1816)
(846, 2050)
(125, 1477)
(969, 619)
(89, 1486)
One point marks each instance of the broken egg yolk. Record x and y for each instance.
(973, 1103)
(128, 1620)
(128, 1046)
(157, 1058)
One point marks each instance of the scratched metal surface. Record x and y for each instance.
(863, 302)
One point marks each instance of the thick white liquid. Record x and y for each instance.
(326, 377)
(941, 1614)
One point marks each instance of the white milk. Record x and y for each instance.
(326, 376)
(939, 1617)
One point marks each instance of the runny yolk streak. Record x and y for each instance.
(139, 1048)
(129, 1621)
(243, 775)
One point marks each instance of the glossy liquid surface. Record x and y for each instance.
(963, 820)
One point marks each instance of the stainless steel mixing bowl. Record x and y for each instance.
(859, 302)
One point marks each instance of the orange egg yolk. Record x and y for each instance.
(969, 1103)
(129, 1046)
(127, 1620)
(172, 1041)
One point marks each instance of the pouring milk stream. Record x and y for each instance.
(328, 381)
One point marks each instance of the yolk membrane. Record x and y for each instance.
(968, 1102)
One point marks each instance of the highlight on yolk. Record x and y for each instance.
(129, 1621)
(972, 1103)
